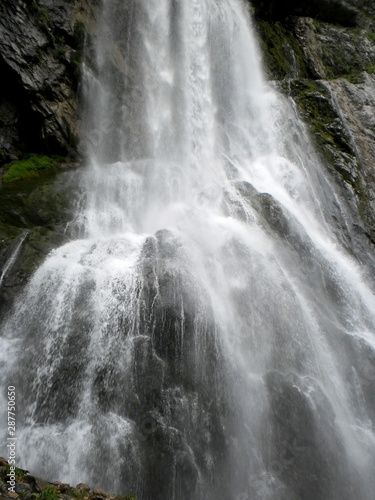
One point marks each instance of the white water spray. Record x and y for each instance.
(209, 337)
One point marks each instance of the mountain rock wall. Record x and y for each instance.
(321, 55)
(326, 65)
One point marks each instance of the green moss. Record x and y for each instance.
(343, 61)
(28, 167)
(47, 494)
(282, 54)
(371, 36)
(314, 101)
(79, 494)
(370, 69)
(331, 139)
(59, 52)
(354, 77)
(79, 34)
(43, 18)
(19, 473)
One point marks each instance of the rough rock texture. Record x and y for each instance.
(328, 69)
(322, 56)
(41, 46)
(34, 218)
(28, 487)
(344, 12)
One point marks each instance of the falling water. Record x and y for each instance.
(14, 252)
(210, 334)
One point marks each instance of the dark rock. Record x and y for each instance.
(335, 11)
(98, 494)
(83, 487)
(308, 453)
(40, 50)
(24, 490)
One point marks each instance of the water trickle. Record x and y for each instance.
(14, 252)
(211, 335)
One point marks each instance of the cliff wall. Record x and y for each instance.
(321, 55)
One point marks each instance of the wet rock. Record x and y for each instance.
(98, 494)
(307, 455)
(328, 10)
(24, 490)
(28, 487)
(83, 487)
(11, 494)
(39, 106)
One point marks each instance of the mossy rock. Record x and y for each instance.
(332, 141)
(40, 205)
(347, 52)
(319, 112)
(333, 11)
(283, 57)
(38, 200)
(31, 166)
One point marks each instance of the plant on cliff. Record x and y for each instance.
(28, 167)
(44, 20)
(47, 494)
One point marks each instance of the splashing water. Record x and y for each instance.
(211, 335)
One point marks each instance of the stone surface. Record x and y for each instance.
(325, 67)
(41, 45)
(28, 486)
(328, 68)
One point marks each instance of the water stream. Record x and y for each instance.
(210, 334)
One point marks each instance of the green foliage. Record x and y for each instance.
(331, 138)
(28, 167)
(44, 20)
(80, 494)
(316, 106)
(282, 54)
(126, 497)
(371, 36)
(340, 62)
(59, 52)
(47, 494)
(19, 473)
(79, 34)
(370, 69)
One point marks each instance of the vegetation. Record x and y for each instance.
(47, 494)
(315, 103)
(281, 52)
(19, 473)
(44, 20)
(30, 166)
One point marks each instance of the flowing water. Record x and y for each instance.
(210, 333)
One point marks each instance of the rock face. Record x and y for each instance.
(328, 69)
(41, 46)
(27, 487)
(321, 55)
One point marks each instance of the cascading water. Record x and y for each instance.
(211, 333)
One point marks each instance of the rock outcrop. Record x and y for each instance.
(327, 66)
(41, 46)
(321, 56)
(41, 50)
(27, 487)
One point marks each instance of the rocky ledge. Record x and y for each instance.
(26, 487)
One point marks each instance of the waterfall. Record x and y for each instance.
(210, 333)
